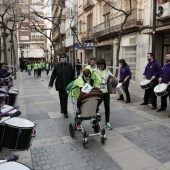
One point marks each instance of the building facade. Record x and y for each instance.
(31, 42)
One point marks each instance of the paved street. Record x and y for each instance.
(140, 139)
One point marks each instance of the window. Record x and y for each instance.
(106, 20)
(37, 37)
(89, 24)
(24, 29)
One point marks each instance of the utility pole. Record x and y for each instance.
(154, 27)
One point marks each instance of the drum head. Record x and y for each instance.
(145, 82)
(13, 166)
(160, 88)
(19, 122)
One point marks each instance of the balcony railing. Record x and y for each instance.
(88, 35)
(114, 24)
(88, 5)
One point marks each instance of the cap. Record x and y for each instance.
(93, 58)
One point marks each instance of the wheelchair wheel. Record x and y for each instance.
(71, 130)
(96, 128)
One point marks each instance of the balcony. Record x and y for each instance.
(88, 4)
(88, 35)
(134, 21)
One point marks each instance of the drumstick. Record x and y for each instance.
(3, 114)
(12, 158)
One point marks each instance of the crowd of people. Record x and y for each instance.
(97, 75)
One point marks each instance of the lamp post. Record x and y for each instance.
(74, 50)
(154, 27)
(10, 42)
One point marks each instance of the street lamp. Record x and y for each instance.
(154, 27)
(10, 42)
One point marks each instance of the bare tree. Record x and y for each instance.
(126, 14)
(55, 22)
(11, 20)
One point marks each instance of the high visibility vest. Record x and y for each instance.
(29, 66)
(47, 66)
(39, 66)
(35, 66)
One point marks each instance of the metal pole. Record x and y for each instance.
(11, 56)
(154, 27)
(74, 57)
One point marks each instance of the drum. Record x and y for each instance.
(5, 108)
(13, 166)
(119, 89)
(12, 96)
(17, 134)
(14, 89)
(161, 89)
(145, 84)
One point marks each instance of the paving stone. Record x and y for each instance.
(37, 116)
(155, 141)
(66, 156)
(36, 92)
(42, 98)
(42, 107)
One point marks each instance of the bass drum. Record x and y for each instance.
(16, 134)
(13, 166)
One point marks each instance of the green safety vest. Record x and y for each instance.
(39, 66)
(29, 66)
(47, 66)
(35, 66)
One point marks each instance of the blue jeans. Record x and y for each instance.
(29, 72)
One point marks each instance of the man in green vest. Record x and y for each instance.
(39, 69)
(47, 67)
(29, 68)
(35, 65)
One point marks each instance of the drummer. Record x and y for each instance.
(152, 72)
(124, 77)
(165, 78)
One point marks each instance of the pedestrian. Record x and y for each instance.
(78, 67)
(104, 74)
(63, 74)
(165, 78)
(124, 77)
(39, 68)
(95, 78)
(35, 65)
(29, 68)
(47, 67)
(152, 72)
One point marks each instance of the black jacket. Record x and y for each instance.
(63, 74)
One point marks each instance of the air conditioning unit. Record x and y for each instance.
(163, 11)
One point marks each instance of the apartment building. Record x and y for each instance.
(59, 33)
(31, 42)
(99, 34)
(71, 20)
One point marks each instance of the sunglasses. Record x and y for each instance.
(62, 57)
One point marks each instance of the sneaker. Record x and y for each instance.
(108, 126)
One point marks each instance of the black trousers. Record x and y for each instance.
(106, 100)
(126, 89)
(39, 72)
(164, 101)
(149, 93)
(63, 101)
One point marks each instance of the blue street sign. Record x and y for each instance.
(85, 45)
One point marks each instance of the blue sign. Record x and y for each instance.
(85, 45)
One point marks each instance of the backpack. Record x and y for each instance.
(69, 87)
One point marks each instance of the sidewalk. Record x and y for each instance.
(139, 139)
